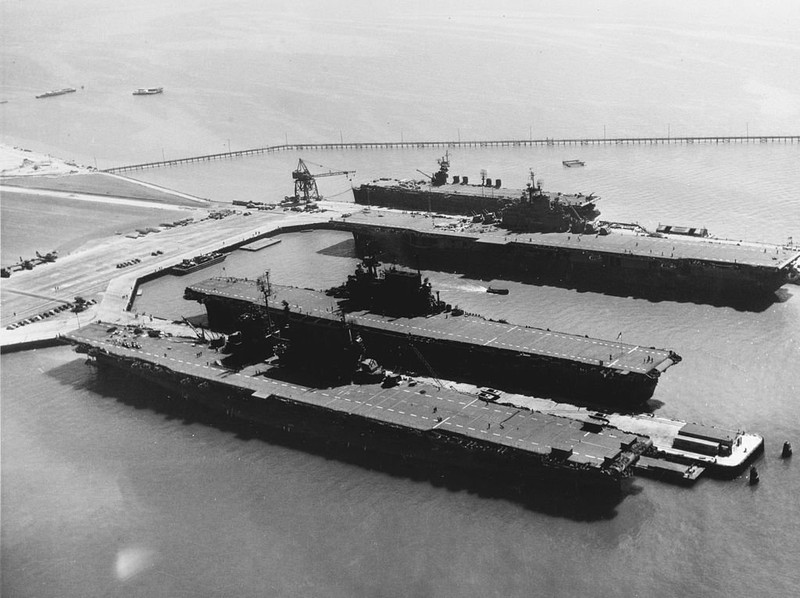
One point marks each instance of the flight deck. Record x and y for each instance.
(474, 331)
(412, 405)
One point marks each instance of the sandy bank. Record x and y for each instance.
(15, 161)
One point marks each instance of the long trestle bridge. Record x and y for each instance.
(713, 139)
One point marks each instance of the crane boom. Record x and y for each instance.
(305, 184)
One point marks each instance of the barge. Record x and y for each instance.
(198, 262)
(405, 327)
(56, 92)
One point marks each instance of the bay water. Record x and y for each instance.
(102, 498)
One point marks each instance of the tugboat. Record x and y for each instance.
(497, 290)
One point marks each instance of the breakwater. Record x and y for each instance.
(669, 140)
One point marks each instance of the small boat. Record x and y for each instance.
(573, 163)
(148, 91)
(198, 262)
(56, 92)
(497, 291)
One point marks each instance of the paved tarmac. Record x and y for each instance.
(91, 271)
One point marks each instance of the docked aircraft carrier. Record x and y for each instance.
(410, 420)
(410, 329)
(556, 239)
(303, 365)
(628, 262)
(529, 209)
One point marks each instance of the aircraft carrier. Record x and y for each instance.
(529, 209)
(620, 261)
(554, 238)
(523, 444)
(446, 342)
(412, 420)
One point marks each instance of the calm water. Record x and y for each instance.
(249, 73)
(101, 498)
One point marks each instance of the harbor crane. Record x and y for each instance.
(305, 183)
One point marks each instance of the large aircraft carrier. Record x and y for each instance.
(628, 262)
(412, 420)
(455, 345)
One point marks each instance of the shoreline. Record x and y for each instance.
(17, 161)
(111, 200)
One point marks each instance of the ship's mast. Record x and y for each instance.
(444, 162)
(265, 286)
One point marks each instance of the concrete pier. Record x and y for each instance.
(91, 272)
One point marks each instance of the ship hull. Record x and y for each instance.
(511, 370)
(57, 92)
(611, 273)
(430, 200)
(376, 443)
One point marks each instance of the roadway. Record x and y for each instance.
(89, 271)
